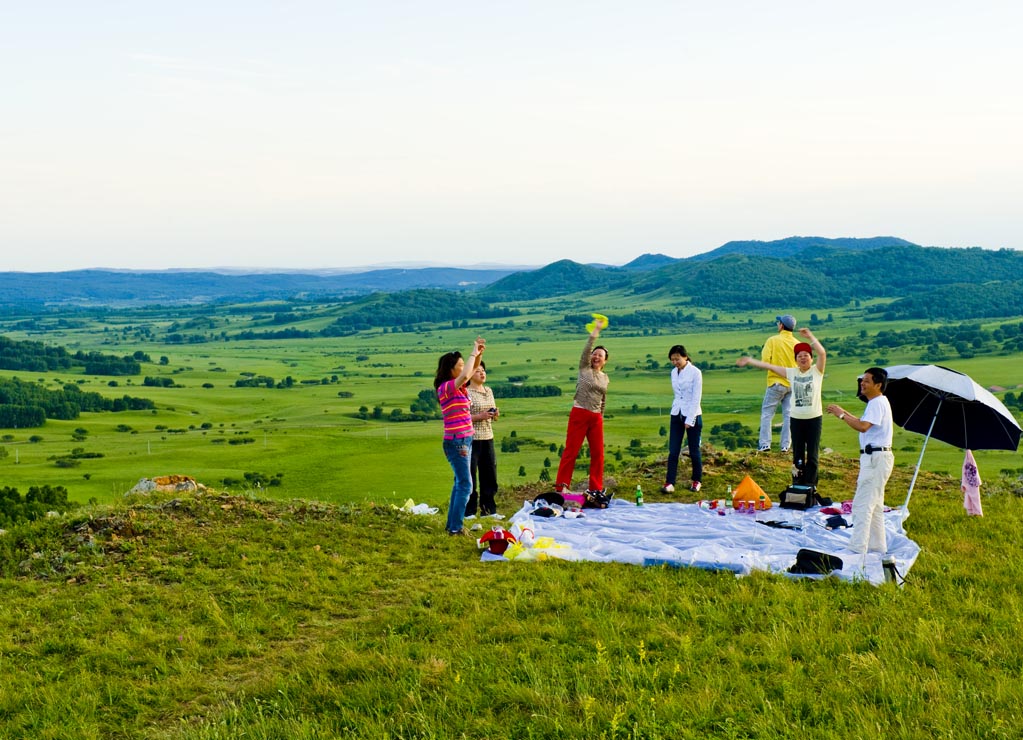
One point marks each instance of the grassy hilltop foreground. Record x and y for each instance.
(216, 615)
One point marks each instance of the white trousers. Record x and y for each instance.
(868, 504)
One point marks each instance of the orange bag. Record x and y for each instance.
(749, 492)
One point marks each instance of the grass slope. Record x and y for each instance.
(223, 616)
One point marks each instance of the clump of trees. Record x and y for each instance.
(73, 459)
(30, 405)
(733, 435)
(509, 390)
(15, 509)
(255, 480)
(38, 357)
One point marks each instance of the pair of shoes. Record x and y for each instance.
(667, 488)
(765, 448)
(695, 487)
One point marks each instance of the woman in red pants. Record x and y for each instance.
(586, 420)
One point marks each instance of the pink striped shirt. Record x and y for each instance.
(454, 405)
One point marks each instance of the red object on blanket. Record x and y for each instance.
(497, 540)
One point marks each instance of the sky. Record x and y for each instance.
(308, 135)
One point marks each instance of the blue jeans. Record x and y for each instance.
(678, 430)
(459, 454)
(774, 395)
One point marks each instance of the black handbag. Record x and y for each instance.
(798, 497)
(813, 562)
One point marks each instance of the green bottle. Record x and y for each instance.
(639, 495)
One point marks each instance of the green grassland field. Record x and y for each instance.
(311, 435)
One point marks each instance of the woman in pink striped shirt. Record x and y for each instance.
(453, 372)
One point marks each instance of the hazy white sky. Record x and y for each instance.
(144, 134)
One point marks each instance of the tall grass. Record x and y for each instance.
(225, 616)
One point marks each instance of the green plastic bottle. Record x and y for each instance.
(639, 495)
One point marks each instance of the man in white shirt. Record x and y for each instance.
(876, 462)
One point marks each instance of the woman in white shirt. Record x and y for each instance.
(686, 417)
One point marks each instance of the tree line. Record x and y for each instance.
(29, 356)
(30, 405)
(16, 509)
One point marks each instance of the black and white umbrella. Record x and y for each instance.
(948, 405)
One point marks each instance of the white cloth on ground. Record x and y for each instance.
(685, 535)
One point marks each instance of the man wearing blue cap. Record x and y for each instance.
(778, 350)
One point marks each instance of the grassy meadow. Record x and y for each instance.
(314, 439)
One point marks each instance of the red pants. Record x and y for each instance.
(583, 424)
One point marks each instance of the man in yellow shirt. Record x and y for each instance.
(778, 350)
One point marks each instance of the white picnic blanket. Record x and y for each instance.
(685, 535)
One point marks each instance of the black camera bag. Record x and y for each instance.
(798, 497)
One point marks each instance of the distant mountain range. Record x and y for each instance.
(739, 275)
(168, 287)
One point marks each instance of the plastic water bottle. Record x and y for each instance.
(639, 495)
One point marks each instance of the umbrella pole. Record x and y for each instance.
(916, 472)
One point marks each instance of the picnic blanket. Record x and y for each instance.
(686, 535)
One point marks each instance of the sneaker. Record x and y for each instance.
(785, 449)
(459, 532)
(667, 488)
(695, 487)
(765, 448)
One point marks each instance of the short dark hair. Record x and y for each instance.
(677, 349)
(607, 355)
(879, 375)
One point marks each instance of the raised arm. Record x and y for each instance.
(584, 359)
(853, 421)
(472, 363)
(747, 360)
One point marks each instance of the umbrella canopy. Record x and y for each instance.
(964, 414)
(948, 405)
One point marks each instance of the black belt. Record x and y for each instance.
(870, 449)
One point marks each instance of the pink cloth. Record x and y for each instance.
(971, 486)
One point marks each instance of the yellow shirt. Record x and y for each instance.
(779, 350)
